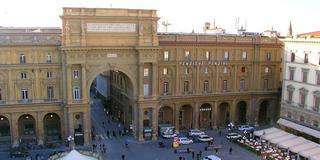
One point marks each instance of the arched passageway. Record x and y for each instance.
(27, 129)
(263, 118)
(224, 113)
(205, 116)
(165, 115)
(52, 128)
(242, 112)
(5, 136)
(185, 117)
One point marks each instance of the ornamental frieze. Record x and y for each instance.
(203, 63)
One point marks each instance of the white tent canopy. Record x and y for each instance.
(311, 152)
(315, 157)
(75, 155)
(303, 147)
(299, 127)
(292, 142)
(265, 131)
(283, 138)
(273, 135)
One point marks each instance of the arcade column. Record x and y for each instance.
(154, 123)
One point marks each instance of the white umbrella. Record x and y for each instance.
(75, 155)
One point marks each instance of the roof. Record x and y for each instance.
(11, 36)
(315, 34)
(299, 127)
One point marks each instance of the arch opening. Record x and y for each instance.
(52, 129)
(242, 112)
(205, 116)
(185, 117)
(27, 129)
(5, 136)
(165, 115)
(224, 114)
(263, 118)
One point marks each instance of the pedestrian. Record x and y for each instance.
(123, 156)
(216, 149)
(108, 134)
(220, 133)
(192, 154)
(200, 153)
(120, 133)
(180, 158)
(127, 145)
(230, 150)
(114, 134)
(104, 150)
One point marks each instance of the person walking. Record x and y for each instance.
(230, 150)
(192, 154)
(123, 156)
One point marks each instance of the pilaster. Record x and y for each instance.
(14, 130)
(84, 89)
(140, 124)
(154, 80)
(176, 116)
(40, 128)
(69, 84)
(154, 123)
(141, 65)
(87, 127)
(196, 115)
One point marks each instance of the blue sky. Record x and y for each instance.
(182, 14)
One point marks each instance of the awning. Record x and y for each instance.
(292, 142)
(303, 147)
(311, 152)
(273, 135)
(283, 138)
(75, 155)
(315, 157)
(265, 131)
(299, 127)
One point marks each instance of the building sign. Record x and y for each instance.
(111, 27)
(200, 63)
(112, 55)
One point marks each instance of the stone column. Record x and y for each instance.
(136, 121)
(196, 115)
(176, 116)
(87, 127)
(216, 114)
(14, 130)
(40, 128)
(84, 90)
(140, 124)
(154, 123)
(37, 85)
(141, 94)
(154, 80)
(69, 84)
(11, 87)
(71, 126)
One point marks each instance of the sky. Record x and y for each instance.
(183, 15)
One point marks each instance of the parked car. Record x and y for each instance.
(205, 138)
(233, 135)
(169, 135)
(18, 152)
(245, 128)
(211, 157)
(185, 140)
(195, 132)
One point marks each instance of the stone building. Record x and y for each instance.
(301, 85)
(186, 80)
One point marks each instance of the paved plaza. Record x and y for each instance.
(148, 150)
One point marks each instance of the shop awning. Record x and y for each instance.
(299, 127)
(265, 131)
(273, 135)
(282, 138)
(310, 153)
(292, 142)
(315, 157)
(303, 147)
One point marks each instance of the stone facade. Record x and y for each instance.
(187, 80)
(301, 91)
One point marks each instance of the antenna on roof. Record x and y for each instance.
(166, 25)
(110, 5)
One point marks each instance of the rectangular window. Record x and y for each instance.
(225, 85)
(207, 55)
(48, 58)
(146, 72)
(23, 75)
(205, 70)
(76, 93)
(242, 84)
(165, 71)
(50, 92)
(306, 58)
(186, 70)
(165, 88)
(268, 56)
(226, 56)
(166, 55)
(22, 59)
(49, 74)
(146, 89)
(244, 56)
(302, 99)
(187, 55)
(206, 86)
(290, 94)
(24, 94)
(304, 76)
(265, 84)
(75, 73)
(186, 87)
(316, 103)
(291, 74)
